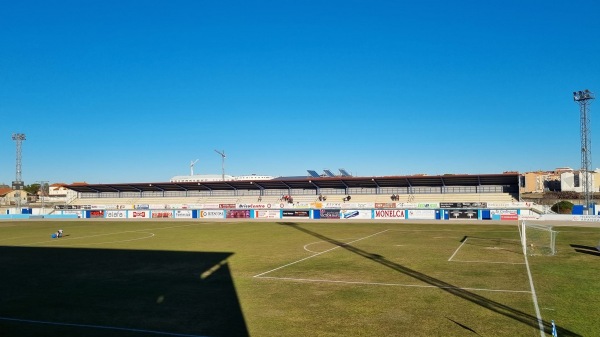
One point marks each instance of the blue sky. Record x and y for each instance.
(132, 91)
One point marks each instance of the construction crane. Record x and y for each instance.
(222, 153)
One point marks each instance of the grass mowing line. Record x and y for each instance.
(99, 327)
(317, 254)
(392, 284)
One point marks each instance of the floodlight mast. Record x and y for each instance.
(222, 153)
(18, 183)
(584, 99)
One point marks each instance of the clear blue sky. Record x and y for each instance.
(132, 91)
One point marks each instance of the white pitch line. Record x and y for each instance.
(143, 230)
(488, 262)
(390, 284)
(456, 251)
(119, 241)
(317, 254)
(533, 295)
(99, 327)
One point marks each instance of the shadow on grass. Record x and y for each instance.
(489, 304)
(586, 249)
(100, 292)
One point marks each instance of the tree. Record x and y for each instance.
(32, 189)
(562, 207)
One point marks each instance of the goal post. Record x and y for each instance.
(537, 239)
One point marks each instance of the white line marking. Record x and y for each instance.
(317, 254)
(533, 295)
(456, 251)
(389, 284)
(143, 230)
(99, 327)
(488, 262)
(109, 242)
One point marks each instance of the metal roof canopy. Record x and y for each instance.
(310, 183)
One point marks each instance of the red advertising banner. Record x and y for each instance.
(159, 214)
(96, 214)
(509, 217)
(226, 205)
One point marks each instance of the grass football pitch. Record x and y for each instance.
(331, 278)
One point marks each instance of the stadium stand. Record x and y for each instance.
(427, 189)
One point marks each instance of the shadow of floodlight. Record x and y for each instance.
(447, 287)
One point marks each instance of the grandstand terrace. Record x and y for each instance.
(417, 188)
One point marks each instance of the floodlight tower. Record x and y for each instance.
(584, 99)
(222, 153)
(18, 183)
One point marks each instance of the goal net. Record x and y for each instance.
(537, 239)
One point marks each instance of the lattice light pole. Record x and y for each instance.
(584, 99)
(18, 183)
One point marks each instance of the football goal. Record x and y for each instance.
(537, 239)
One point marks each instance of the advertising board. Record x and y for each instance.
(355, 214)
(116, 214)
(211, 214)
(390, 214)
(296, 214)
(162, 214)
(237, 214)
(138, 214)
(267, 214)
(330, 213)
(183, 214)
(421, 214)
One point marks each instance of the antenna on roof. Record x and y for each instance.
(222, 153)
(192, 163)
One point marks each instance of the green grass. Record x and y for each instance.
(167, 278)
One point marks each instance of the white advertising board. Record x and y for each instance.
(267, 214)
(419, 205)
(211, 214)
(116, 214)
(423, 214)
(139, 214)
(183, 214)
(355, 214)
(509, 204)
(258, 206)
(390, 214)
(358, 205)
(78, 213)
(503, 211)
(591, 218)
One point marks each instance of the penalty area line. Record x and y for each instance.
(99, 327)
(457, 249)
